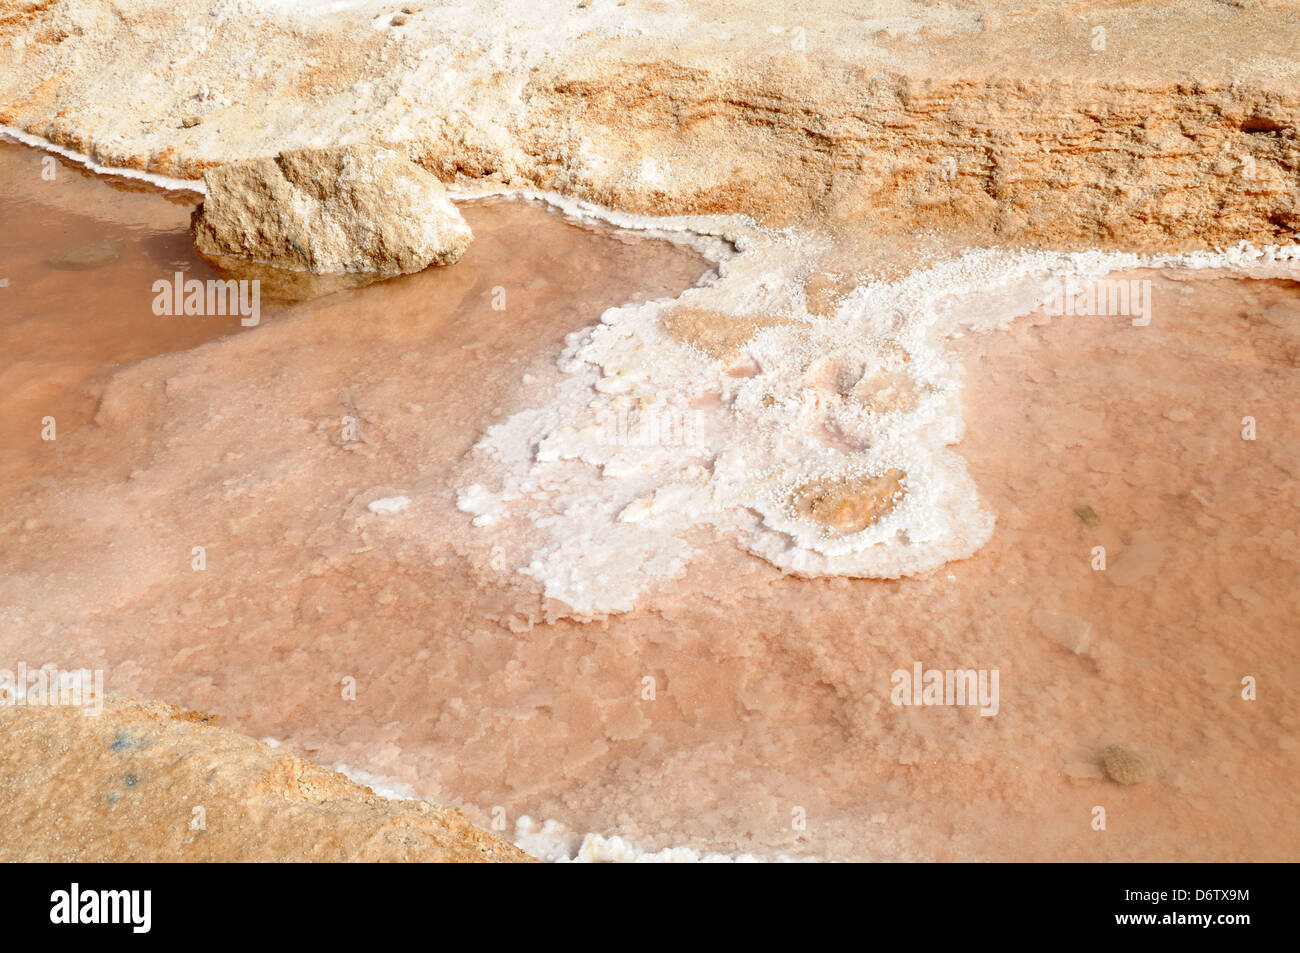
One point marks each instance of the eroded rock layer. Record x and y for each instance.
(1017, 122)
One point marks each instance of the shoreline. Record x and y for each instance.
(862, 208)
(973, 123)
(558, 842)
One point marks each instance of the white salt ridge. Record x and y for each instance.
(162, 181)
(553, 843)
(389, 504)
(385, 787)
(716, 237)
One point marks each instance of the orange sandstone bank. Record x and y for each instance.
(1138, 126)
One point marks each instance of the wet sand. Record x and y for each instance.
(771, 698)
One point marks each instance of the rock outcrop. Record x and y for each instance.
(152, 782)
(1017, 123)
(343, 209)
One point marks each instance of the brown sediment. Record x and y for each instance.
(823, 292)
(94, 254)
(717, 333)
(20, 12)
(849, 504)
(151, 782)
(1123, 766)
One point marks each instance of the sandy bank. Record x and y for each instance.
(152, 782)
(1143, 126)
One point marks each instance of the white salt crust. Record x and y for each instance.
(162, 181)
(586, 498)
(551, 842)
(384, 787)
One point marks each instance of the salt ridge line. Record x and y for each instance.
(716, 237)
(162, 181)
(551, 842)
(710, 235)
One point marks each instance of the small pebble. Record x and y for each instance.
(1123, 766)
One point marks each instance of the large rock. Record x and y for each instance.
(358, 208)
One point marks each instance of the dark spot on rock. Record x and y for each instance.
(1256, 124)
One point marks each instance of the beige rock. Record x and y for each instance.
(151, 782)
(344, 209)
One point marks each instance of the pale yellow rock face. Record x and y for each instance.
(152, 782)
(1018, 123)
(345, 209)
(850, 505)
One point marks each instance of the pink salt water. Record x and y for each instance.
(770, 727)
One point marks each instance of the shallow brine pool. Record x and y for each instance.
(262, 522)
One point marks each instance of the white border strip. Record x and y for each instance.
(162, 181)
